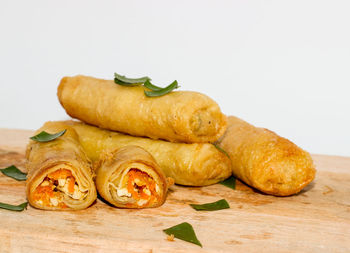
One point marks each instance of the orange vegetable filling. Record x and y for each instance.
(47, 191)
(139, 184)
(63, 174)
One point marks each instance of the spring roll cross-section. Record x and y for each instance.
(266, 161)
(180, 116)
(196, 164)
(130, 178)
(60, 176)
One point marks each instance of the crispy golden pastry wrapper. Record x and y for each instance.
(196, 164)
(180, 116)
(129, 177)
(266, 161)
(60, 176)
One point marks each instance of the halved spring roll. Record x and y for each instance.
(180, 116)
(129, 177)
(196, 164)
(60, 176)
(266, 161)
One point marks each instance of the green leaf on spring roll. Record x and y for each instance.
(14, 173)
(125, 81)
(162, 91)
(229, 182)
(20, 207)
(46, 137)
(183, 231)
(151, 86)
(221, 150)
(218, 205)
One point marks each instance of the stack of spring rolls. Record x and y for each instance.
(131, 148)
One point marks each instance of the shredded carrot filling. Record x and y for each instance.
(44, 193)
(63, 174)
(139, 184)
(71, 185)
(47, 189)
(60, 174)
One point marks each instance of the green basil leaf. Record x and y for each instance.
(221, 150)
(183, 231)
(125, 81)
(45, 137)
(218, 205)
(229, 182)
(15, 173)
(151, 86)
(163, 91)
(20, 207)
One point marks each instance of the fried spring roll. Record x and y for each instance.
(180, 116)
(130, 178)
(196, 164)
(60, 176)
(266, 161)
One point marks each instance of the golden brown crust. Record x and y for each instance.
(196, 164)
(112, 177)
(65, 151)
(180, 116)
(266, 161)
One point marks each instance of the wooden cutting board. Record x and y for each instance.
(316, 220)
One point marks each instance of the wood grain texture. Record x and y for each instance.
(316, 220)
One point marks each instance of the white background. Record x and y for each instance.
(284, 65)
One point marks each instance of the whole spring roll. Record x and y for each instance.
(60, 176)
(196, 164)
(266, 161)
(180, 116)
(129, 177)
